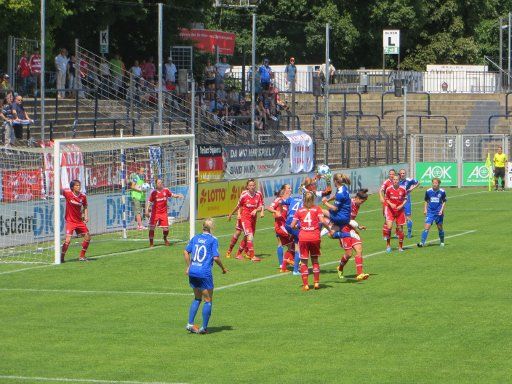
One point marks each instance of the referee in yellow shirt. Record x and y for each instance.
(499, 161)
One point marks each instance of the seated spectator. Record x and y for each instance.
(221, 94)
(7, 118)
(20, 117)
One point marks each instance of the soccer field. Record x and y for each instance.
(429, 315)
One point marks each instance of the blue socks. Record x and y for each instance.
(409, 228)
(280, 254)
(193, 310)
(207, 311)
(441, 236)
(424, 235)
(296, 261)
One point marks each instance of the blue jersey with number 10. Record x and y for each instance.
(203, 248)
(435, 200)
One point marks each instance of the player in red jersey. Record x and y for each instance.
(395, 199)
(76, 205)
(284, 239)
(354, 243)
(310, 218)
(236, 235)
(382, 192)
(158, 205)
(249, 203)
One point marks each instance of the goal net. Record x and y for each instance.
(116, 174)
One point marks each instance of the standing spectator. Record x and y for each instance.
(20, 117)
(34, 63)
(170, 72)
(72, 73)
(117, 67)
(222, 67)
(291, 74)
(499, 162)
(7, 117)
(265, 75)
(210, 73)
(24, 72)
(149, 70)
(104, 77)
(5, 85)
(61, 66)
(332, 71)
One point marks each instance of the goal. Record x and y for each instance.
(31, 204)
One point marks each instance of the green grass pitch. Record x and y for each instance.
(431, 315)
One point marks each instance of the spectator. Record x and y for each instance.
(104, 71)
(332, 71)
(61, 66)
(265, 75)
(34, 63)
(24, 72)
(170, 73)
(149, 70)
(222, 67)
(72, 74)
(5, 85)
(291, 74)
(7, 117)
(20, 117)
(117, 67)
(222, 96)
(210, 73)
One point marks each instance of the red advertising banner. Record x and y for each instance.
(206, 40)
(211, 163)
(23, 185)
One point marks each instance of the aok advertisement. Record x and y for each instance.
(445, 171)
(475, 174)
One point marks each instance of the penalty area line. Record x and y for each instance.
(92, 292)
(70, 380)
(329, 263)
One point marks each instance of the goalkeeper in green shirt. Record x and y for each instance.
(138, 188)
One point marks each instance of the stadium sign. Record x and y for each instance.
(475, 174)
(445, 171)
(391, 41)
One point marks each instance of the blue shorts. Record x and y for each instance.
(293, 232)
(339, 220)
(201, 282)
(433, 218)
(408, 208)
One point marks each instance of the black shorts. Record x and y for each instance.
(209, 82)
(18, 131)
(499, 172)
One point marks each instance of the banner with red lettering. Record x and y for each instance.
(206, 40)
(302, 153)
(72, 167)
(22, 185)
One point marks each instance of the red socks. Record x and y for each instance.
(232, 243)
(344, 260)
(400, 235)
(151, 236)
(304, 272)
(65, 247)
(359, 264)
(242, 246)
(316, 272)
(166, 233)
(250, 248)
(386, 233)
(85, 245)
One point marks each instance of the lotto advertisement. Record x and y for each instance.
(218, 198)
(446, 171)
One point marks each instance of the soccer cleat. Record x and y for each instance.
(228, 254)
(305, 288)
(83, 258)
(400, 249)
(202, 331)
(255, 259)
(388, 249)
(441, 244)
(151, 245)
(246, 255)
(420, 245)
(340, 272)
(239, 257)
(297, 273)
(192, 328)
(316, 286)
(362, 276)
(167, 243)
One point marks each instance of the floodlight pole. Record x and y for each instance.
(43, 59)
(160, 69)
(253, 77)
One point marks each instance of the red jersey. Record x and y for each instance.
(74, 205)
(249, 203)
(282, 209)
(385, 185)
(309, 219)
(396, 196)
(159, 200)
(354, 210)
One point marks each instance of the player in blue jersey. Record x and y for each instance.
(200, 253)
(339, 211)
(409, 184)
(293, 203)
(435, 201)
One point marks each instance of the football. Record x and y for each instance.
(146, 187)
(323, 170)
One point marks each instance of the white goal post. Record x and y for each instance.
(177, 153)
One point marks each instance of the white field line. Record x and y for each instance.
(70, 380)
(149, 293)
(324, 264)
(27, 269)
